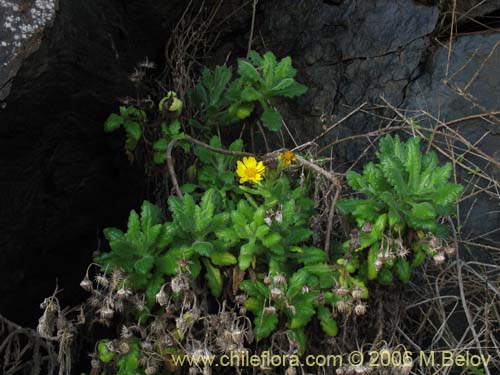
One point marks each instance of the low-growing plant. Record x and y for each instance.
(137, 251)
(261, 79)
(252, 217)
(404, 194)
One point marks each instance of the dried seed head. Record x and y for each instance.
(342, 306)
(123, 293)
(279, 217)
(86, 284)
(305, 289)
(292, 309)
(242, 310)
(405, 368)
(276, 293)
(379, 264)
(124, 347)
(94, 363)
(161, 297)
(240, 299)
(193, 371)
(450, 250)
(178, 284)
(125, 332)
(357, 293)
(237, 335)
(403, 252)
(102, 281)
(439, 258)
(279, 279)
(151, 370)
(270, 310)
(106, 313)
(291, 371)
(367, 227)
(342, 291)
(434, 242)
(360, 309)
(340, 371)
(267, 280)
(360, 370)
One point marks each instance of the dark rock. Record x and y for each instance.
(61, 178)
(460, 85)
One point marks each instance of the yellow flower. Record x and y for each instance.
(286, 158)
(249, 169)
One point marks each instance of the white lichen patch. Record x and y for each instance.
(21, 26)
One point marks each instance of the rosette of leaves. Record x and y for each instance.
(404, 192)
(261, 80)
(132, 120)
(194, 239)
(269, 239)
(264, 79)
(137, 251)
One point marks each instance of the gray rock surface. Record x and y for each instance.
(22, 26)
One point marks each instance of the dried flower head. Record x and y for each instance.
(439, 258)
(360, 309)
(287, 158)
(279, 279)
(276, 293)
(86, 284)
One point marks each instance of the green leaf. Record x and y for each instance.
(413, 163)
(403, 270)
(328, 324)
(255, 58)
(272, 240)
(134, 227)
(203, 248)
(134, 130)
(249, 94)
(284, 69)
(254, 304)
(304, 310)
(254, 288)
(289, 88)
(311, 255)
(297, 281)
(150, 215)
(214, 278)
(264, 325)
(167, 235)
(223, 258)
(248, 71)
(272, 119)
(168, 262)
(144, 264)
(246, 255)
(161, 145)
(113, 122)
(268, 66)
(113, 234)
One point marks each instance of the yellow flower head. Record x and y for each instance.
(286, 158)
(248, 169)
